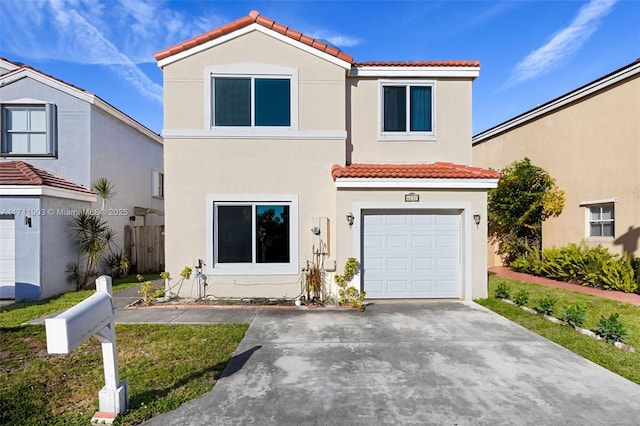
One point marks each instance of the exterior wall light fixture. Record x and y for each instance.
(476, 218)
(350, 218)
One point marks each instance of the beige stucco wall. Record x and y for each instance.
(321, 83)
(452, 125)
(473, 239)
(195, 168)
(592, 149)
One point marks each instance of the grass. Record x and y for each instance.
(164, 365)
(20, 312)
(621, 362)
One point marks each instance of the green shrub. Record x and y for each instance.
(502, 291)
(545, 304)
(581, 264)
(573, 315)
(521, 297)
(611, 329)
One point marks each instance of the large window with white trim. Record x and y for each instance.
(28, 130)
(250, 98)
(602, 220)
(254, 235)
(407, 109)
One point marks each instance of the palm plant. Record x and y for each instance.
(104, 189)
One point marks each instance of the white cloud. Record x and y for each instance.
(89, 32)
(564, 44)
(334, 39)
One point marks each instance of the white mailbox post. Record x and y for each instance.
(94, 316)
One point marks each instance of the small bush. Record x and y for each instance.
(545, 304)
(502, 291)
(573, 315)
(521, 297)
(611, 329)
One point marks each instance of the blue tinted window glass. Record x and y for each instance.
(234, 234)
(232, 101)
(273, 102)
(395, 109)
(420, 97)
(272, 239)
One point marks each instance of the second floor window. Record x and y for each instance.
(251, 102)
(28, 130)
(407, 109)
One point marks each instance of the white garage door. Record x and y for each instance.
(7, 258)
(411, 255)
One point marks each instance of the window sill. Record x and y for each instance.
(253, 269)
(52, 156)
(391, 137)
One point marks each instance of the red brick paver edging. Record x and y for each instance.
(620, 296)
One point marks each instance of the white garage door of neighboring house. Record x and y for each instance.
(7, 258)
(411, 254)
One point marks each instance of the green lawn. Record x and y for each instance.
(621, 362)
(20, 312)
(164, 365)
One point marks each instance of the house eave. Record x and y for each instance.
(432, 183)
(48, 191)
(428, 71)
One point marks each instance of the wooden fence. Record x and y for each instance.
(145, 247)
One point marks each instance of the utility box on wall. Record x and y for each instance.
(322, 239)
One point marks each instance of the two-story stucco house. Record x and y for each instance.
(589, 140)
(278, 145)
(56, 140)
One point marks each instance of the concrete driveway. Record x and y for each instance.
(426, 363)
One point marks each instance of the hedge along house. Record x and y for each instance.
(279, 146)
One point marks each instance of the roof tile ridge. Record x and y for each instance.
(29, 172)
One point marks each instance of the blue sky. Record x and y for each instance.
(530, 51)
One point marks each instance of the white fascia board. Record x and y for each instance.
(8, 65)
(41, 190)
(369, 183)
(595, 202)
(252, 134)
(124, 118)
(49, 81)
(557, 103)
(242, 31)
(400, 71)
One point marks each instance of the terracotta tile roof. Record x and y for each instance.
(21, 173)
(253, 17)
(437, 170)
(417, 64)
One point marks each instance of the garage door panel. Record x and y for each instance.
(411, 255)
(7, 258)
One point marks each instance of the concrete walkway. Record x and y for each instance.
(620, 296)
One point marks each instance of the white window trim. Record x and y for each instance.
(51, 132)
(157, 190)
(407, 135)
(587, 216)
(252, 268)
(250, 69)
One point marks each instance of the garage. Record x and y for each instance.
(7, 258)
(411, 254)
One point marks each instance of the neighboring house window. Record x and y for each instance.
(28, 130)
(407, 110)
(158, 184)
(251, 101)
(601, 220)
(254, 236)
(251, 98)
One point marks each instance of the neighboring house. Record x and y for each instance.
(52, 128)
(279, 146)
(589, 141)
